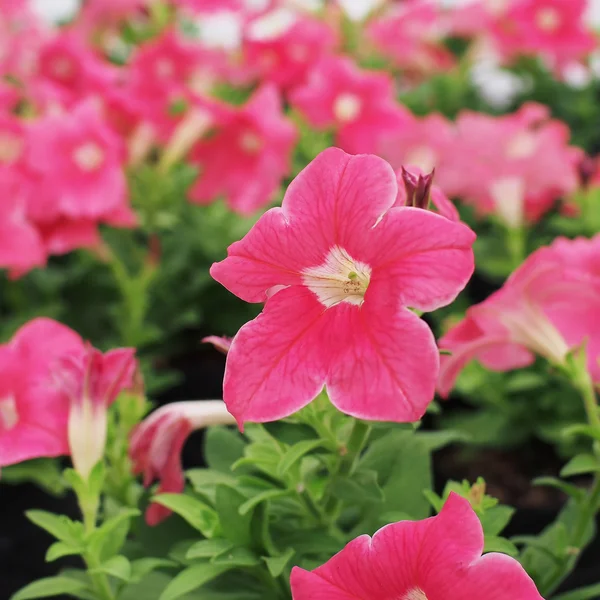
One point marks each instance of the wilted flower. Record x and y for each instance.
(157, 442)
(336, 266)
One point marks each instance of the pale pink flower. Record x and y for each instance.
(337, 265)
(33, 411)
(157, 442)
(358, 105)
(516, 166)
(410, 34)
(439, 557)
(248, 155)
(422, 142)
(547, 307)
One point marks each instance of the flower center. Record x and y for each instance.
(10, 148)
(339, 279)
(88, 157)
(548, 19)
(508, 195)
(9, 416)
(522, 145)
(423, 157)
(250, 142)
(347, 107)
(415, 594)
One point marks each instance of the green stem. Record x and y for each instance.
(350, 454)
(515, 241)
(588, 508)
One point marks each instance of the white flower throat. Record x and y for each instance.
(339, 279)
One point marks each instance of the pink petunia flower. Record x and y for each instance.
(516, 166)
(282, 47)
(548, 306)
(21, 246)
(359, 105)
(76, 161)
(92, 381)
(69, 71)
(33, 412)
(439, 557)
(336, 265)
(553, 29)
(423, 142)
(411, 35)
(157, 442)
(248, 155)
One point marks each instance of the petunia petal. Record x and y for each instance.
(385, 364)
(275, 365)
(422, 258)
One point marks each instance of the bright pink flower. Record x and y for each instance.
(9, 97)
(55, 390)
(68, 71)
(248, 156)
(164, 72)
(157, 442)
(336, 266)
(412, 181)
(359, 105)
(548, 306)
(287, 56)
(33, 411)
(437, 558)
(554, 29)
(12, 140)
(92, 381)
(422, 142)
(516, 166)
(411, 36)
(21, 246)
(78, 161)
(96, 14)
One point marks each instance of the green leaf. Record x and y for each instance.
(117, 566)
(50, 586)
(209, 548)
(108, 539)
(580, 429)
(60, 549)
(360, 488)
(237, 557)
(222, 448)
(590, 592)
(198, 514)
(235, 526)
(436, 440)
(247, 506)
(143, 566)
(61, 527)
(277, 564)
(44, 472)
(568, 488)
(205, 481)
(191, 579)
(436, 502)
(582, 463)
(495, 519)
(294, 454)
(499, 544)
